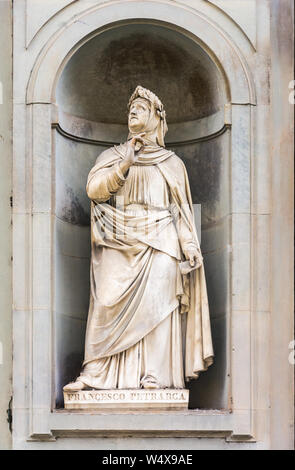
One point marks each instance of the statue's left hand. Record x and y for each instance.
(194, 256)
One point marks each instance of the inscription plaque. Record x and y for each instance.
(129, 399)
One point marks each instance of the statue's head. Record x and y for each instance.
(146, 114)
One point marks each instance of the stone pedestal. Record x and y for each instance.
(127, 399)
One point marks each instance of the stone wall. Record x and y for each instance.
(249, 41)
(282, 251)
(5, 220)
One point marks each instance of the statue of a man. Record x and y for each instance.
(146, 264)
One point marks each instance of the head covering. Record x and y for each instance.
(159, 114)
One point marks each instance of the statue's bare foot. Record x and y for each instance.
(74, 386)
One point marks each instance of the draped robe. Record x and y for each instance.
(141, 224)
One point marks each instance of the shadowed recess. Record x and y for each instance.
(113, 63)
(95, 85)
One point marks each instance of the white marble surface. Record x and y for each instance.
(161, 399)
(260, 375)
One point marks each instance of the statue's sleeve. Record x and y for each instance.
(185, 230)
(104, 182)
(181, 208)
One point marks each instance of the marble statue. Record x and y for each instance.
(146, 265)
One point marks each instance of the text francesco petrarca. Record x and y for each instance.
(148, 459)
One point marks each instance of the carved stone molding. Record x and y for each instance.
(101, 134)
(48, 54)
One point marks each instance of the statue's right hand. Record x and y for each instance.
(131, 153)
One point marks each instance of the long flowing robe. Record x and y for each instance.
(140, 226)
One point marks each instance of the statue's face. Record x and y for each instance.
(139, 114)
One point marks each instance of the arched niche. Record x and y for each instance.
(91, 97)
(234, 242)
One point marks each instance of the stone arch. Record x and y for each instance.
(65, 42)
(241, 92)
